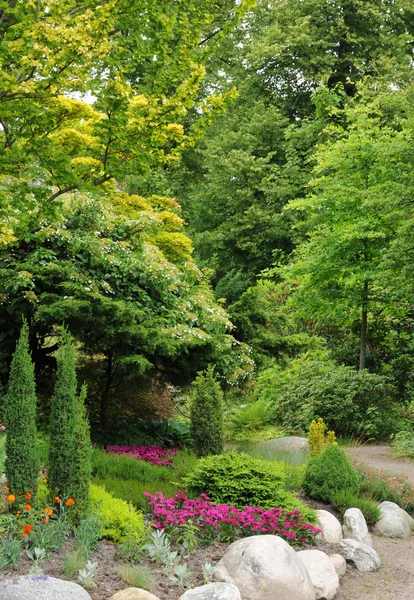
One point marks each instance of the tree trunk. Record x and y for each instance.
(105, 394)
(364, 323)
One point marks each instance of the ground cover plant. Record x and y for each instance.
(225, 522)
(155, 455)
(381, 486)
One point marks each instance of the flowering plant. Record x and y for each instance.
(156, 455)
(225, 522)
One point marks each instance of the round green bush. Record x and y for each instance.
(330, 473)
(241, 480)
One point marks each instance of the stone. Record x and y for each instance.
(286, 444)
(392, 523)
(339, 563)
(409, 519)
(322, 572)
(213, 591)
(362, 556)
(355, 526)
(331, 527)
(134, 594)
(265, 567)
(42, 587)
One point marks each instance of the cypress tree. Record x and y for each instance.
(82, 460)
(207, 414)
(62, 419)
(22, 465)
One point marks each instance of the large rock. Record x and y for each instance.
(265, 567)
(134, 594)
(286, 444)
(330, 526)
(33, 587)
(339, 563)
(355, 526)
(362, 556)
(322, 572)
(213, 591)
(409, 519)
(393, 522)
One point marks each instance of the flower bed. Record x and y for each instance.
(156, 455)
(225, 522)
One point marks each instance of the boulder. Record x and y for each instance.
(42, 587)
(331, 527)
(265, 567)
(355, 526)
(213, 591)
(409, 519)
(363, 557)
(286, 444)
(134, 594)
(339, 563)
(393, 522)
(322, 572)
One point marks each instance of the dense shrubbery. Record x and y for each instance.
(345, 499)
(240, 480)
(330, 473)
(118, 518)
(380, 485)
(403, 444)
(207, 415)
(250, 418)
(351, 402)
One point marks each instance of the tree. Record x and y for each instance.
(351, 217)
(207, 414)
(22, 465)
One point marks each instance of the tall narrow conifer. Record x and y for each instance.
(207, 414)
(22, 466)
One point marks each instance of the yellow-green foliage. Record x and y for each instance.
(317, 438)
(118, 518)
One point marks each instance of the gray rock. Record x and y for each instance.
(35, 587)
(265, 567)
(339, 563)
(355, 526)
(322, 572)
(409, 519)
(213, 591)
(362, 556)
(286, 444)
(331, 527)
(393, 522)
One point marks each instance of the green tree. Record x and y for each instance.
(22, 465)
(81, 460)
(207, 414)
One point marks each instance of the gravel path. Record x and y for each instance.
(395, 579)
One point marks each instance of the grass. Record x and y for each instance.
(73, 563)
(343, 499)
(139, 577)
(133, 490)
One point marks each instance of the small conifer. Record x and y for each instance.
(207, 414)
(22, 466)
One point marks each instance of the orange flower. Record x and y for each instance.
(44, 480)
(70, 502)
(26, 530)
(57, 499)
(28, 496)
(28, 507)
(6, 488)
(11, 497)
(44, 520)
(48, 511)
(18, 513)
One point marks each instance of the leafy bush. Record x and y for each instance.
(22, 466)
(329, 473)
(403, 444)
(345, 499)
(207, 415)
(118, 518)
(250, 418)
(357, 403)
(241, 480)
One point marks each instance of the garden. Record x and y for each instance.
(156, 516)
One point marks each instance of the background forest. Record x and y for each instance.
(185, 184)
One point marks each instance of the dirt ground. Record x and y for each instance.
(395, 579)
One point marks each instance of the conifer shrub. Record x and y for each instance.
(21, 465)
(241, 480)
(70, 447)
(207, 414)
(329, 473)
(118, 518)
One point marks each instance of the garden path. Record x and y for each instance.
(395, 579)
